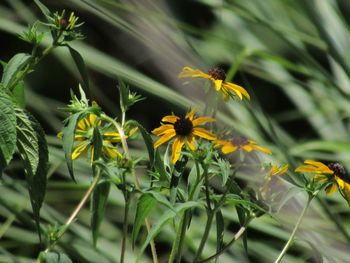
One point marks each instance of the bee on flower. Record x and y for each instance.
(217, 76)
(184, 129)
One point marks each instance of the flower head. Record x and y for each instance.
(332, 174)
(184, 129)
(272, 181)
(83, 137)
(240, 142)
(217, 76)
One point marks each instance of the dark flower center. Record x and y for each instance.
(240, 140)
(183, 126)
(339, 171)
(217, 73)
(63, 22)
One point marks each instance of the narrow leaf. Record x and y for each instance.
(79, 62)
(19, 95)
(43, 8)
(144, 206)
(220, 227)
(148, 141)
(7, 130)
(98, 206)
(68, 140)
(15, 65)
(32, 147)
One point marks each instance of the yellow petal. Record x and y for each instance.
(340, 182)
(111, 151)
(164, 138)
(202, 120)
(247, 147)
(191, 143)
(170, 118)
(331, 189)
(80, 149)
(217, 84)
(306, 169)
(346, 192)
(201, 132)
(321, 167)
(165, 128)
(320, 178)
(229, 148)
(194, 73)
(275, 170)
(176, 149)
(190, 114)
(236, 89)
(262, 149)
(112, 136)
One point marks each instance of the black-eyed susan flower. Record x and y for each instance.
(240, 142)
(334, 174)
(83, 137)
(217, 76)
(184, 129)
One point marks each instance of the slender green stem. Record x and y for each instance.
(176, 250)
(207, 194)
(291, 238)
(237, 236)
(125, 226)
(205, 236)
(136, 180)
(77, 209)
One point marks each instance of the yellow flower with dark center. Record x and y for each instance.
(240, 142)
(83, 137)
(184, 129)
(217, 76)
(333, 173)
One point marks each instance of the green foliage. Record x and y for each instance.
(54, 257)
(14, 67)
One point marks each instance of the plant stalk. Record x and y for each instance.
(125, 226)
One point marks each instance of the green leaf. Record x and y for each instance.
(98, 205)
(46, 12)
(79, 62)
(15, 65)
(242, 219)
(164, 219)
(220, 227)
(18, 94)
(123, 95)
(148, 141)
(68, 140)
(54, 257)
(144, 206)
(32, 146)
(7, 130)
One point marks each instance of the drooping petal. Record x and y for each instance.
(320, 178)
(202, 120)
(112, 136)
(166, 137)
(236, 89)
(331, 189)
(201, 132)
(340, 182)
(165, 128)
(320, 166)
(193, 73)
(190, 114)
(170, 118)
(346, 192)
(110, 151)
(276, 171)
(217, 84)
(176, 149)
(247, 147)
(191, 143)
(229, 148)
(307, 169)
(80, 149)
(262, 149)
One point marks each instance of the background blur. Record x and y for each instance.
(293, 58)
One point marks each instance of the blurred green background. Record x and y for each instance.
(293, 58)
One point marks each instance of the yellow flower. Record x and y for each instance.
(84, 133)
(240, 142)
(278, 170)
(217, 76)
(272, 181)
(184, 129)
(333, 173)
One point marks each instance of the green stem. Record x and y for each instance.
(125, 226)
(237, 236)
(176, 250)
(136, 180)
(77, 209)
(291, 238)
(205, 236)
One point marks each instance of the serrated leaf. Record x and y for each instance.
(32, 146)
(54, 257)
(144, 206)
(15, 65)
(164, 219)
(7, 130)
(68, 140)
(79, 62)
(98, 206)
(18, 94)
